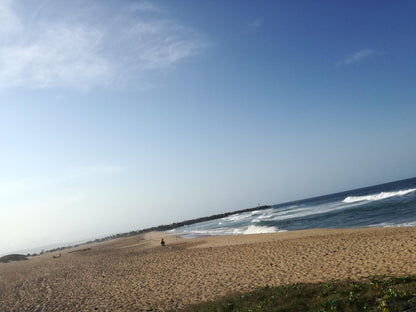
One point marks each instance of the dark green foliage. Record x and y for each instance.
(377, 294)
(14, 257)
(81, 250)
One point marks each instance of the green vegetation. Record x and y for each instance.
(81, 250)
(14, 257)
(375, 294)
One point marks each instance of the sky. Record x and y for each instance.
(121, 115)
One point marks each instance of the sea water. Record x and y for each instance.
(385, 205)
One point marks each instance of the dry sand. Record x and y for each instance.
(137, 274)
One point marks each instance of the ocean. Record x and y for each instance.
(385, 205)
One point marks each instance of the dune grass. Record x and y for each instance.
(374, 294)
(14, 257)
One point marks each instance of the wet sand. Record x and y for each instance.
(137, 274)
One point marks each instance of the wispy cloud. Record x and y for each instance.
(360, 56)
(65, 56)
(144, 6)
(81, 47)
(255, 24)
(9, 22)
(159, 44)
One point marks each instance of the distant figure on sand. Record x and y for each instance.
(162, 243)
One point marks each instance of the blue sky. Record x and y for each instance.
(121, 115)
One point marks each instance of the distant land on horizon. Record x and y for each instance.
(167, 227)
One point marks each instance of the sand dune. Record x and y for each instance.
(136, 274)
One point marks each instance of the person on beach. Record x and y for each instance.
(162, 243)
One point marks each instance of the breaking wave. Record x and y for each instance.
(379, 196)
(244, 230)
(366, 207)
(389, 224)
(254, 229)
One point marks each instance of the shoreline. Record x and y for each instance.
(136, 273)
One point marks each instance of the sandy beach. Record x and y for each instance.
(137, 274)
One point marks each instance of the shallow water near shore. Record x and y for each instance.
(386, 205)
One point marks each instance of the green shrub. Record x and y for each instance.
(14, 257)
(375, 294)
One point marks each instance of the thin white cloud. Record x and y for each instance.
(160, 44)
(359, 56)
(9, 22)
(80, 47)
(144, 6)
(66, 56)
(255, 24)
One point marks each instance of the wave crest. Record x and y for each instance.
(379, 196)
(254, 229)
(388, 224)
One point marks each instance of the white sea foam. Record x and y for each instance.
(254, 229)
(206, 232)
(387, 224)
(237, 217)
(264, 216)
(379, 196)
(313, 210)
(251, 229)
(305, 215)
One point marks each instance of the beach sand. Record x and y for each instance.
(137, 274)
